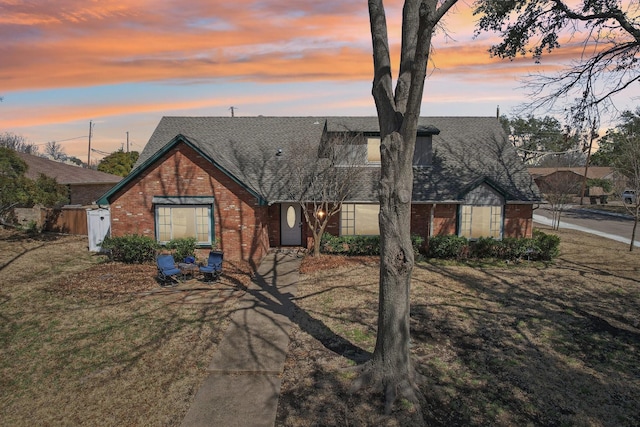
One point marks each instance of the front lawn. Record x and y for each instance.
(524, 345)
(83, 342)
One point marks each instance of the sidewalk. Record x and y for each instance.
(243, 384)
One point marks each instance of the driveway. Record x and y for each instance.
(615, 227)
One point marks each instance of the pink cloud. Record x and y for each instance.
(74, 43)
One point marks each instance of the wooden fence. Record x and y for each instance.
(68, 220)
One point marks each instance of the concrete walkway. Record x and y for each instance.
(243, 384)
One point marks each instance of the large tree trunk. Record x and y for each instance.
(391, 353)
(390, 368)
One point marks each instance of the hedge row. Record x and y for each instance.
(359, 245)
(136, 249)
(542, 247)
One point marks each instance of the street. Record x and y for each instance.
(609, 226)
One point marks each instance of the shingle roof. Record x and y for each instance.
(65, 174)
(245, 147)
(469, 150)
(466, 151)
(592, 171)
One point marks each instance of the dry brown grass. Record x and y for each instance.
(89, 343)
(503, 346)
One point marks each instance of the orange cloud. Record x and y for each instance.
(75, 43)
(16, 117)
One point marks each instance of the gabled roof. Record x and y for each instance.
(468, 151)
(63, 173)
(255, 150)
(593, 172)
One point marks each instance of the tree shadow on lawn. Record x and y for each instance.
(131, 357)
(274, 292)
(272, 295)
(544, 350)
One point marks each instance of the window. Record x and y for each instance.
(180, 220)
(480, 221)
(359, 219)
(373, 150)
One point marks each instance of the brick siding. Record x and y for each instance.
(240, 223)
(518, 221)
(444, 220)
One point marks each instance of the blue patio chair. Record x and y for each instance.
(213, 269)
(167, 268)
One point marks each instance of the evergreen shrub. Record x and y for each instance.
(131, 249)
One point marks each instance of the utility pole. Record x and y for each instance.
(127, 141)
(233, 109)
(89, 154)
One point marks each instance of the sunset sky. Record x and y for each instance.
(125, 64)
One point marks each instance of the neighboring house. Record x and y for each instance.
(225, 180)
(571, 179)
(85, 185)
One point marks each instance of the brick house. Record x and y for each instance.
(571, 180)
(225, 180)
(85, 186)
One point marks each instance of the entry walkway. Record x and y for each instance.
(243, 384)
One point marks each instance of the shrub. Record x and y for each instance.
(361, 245)
(182, 248)
(547, 246)
(418, 245)
(131, 249)
(449, 246)
(542, 247)
(485, 247)
(513, 248)
(350, 245)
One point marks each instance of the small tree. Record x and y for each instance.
(322, 184)
(55, 151)
(18, 190)
(13, 183)
(621, 150)
(628, 165)
(118, 163)
(558, 191)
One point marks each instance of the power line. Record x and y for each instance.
(62, 140)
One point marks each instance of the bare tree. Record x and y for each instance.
(390, 368)
(559, 190)
(322, 180)
(55, 150)
(608, 32)
(17, 143)
(628, 164)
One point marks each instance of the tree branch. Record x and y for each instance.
(382, 81)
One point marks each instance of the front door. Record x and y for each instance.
(290, 224)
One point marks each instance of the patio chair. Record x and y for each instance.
(213, 269)
(167, 268)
